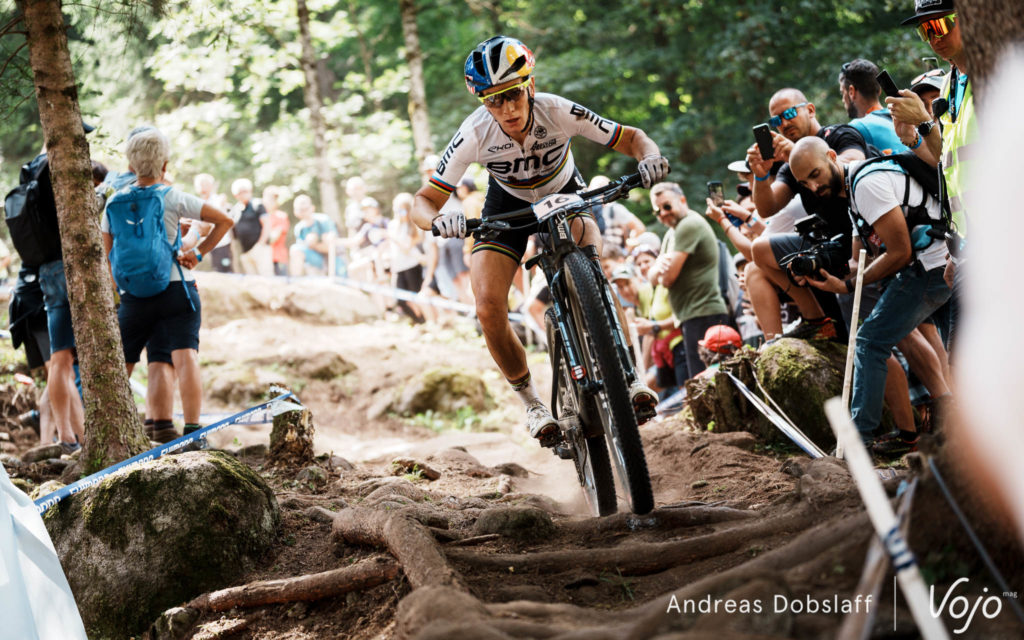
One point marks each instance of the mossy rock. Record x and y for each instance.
(800, 376)
(444, 391)
(519, 523)
(715, 403)
(149, 539)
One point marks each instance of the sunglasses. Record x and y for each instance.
(665, 206)
(776, 121)
(510, 94)
(936, 28)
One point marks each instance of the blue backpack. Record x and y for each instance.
(141, 257)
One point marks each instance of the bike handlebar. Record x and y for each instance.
(612, 191)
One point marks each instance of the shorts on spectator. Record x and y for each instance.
(784, 244)
(37, 347)
(166, 317)
(58, 310)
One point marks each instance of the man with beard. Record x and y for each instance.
(882, 196)
(860, 90)
(794, 117)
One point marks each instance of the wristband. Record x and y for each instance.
(760, 179)
(919, 141)
(850, 285)
(198, 254)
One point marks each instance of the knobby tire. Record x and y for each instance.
(602, 360)
(593, 466)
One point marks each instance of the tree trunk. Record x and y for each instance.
(112, 427)
(314, 102)
(418, 114)
(365, 54)
(987, 27)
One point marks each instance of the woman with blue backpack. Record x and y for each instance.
(159, 297)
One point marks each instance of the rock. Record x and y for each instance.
(71, 473)
(4, 436)
(518, 523)
(512, 469)
(714, 400)
(326, 365)
(313, 475)
(25, 485)
(46, 488)
(340, 464)
(42, 452)
(444, 391)
(174, 624)
(160, 534)
(458, 460)
(401, 466)
(738, 439)
(253, 451)
(11, 463)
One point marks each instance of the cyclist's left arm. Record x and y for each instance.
(636, 144)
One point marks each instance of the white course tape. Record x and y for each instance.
(786, 427)
(884, 520)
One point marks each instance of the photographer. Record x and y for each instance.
(883, 195)
(794, 117)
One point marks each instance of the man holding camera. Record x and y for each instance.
(908, 262)
(794, 117)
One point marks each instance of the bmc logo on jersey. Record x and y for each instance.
(533, 163)
(602, 124)
(452, 146)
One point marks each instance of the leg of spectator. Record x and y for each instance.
(77, 410)
(924, 362)
(297, 256)
(931, 334)
(47, 428)
(897, 395)
(186, 364)
(764, 297)
(765, 259)
(61, 386)
(160, 391)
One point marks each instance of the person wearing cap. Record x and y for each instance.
(719, 343)
(522, 138)
(741, 169)
(928, 86)
(937, 24)
(860, 90)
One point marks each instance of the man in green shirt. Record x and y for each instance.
(688, 268)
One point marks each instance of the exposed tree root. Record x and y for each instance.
(316, 586)
(659, 519)
(407, 540)
(643, 559)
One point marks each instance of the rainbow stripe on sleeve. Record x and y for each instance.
(443, 187)
(616, 136)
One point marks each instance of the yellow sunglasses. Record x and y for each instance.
(509, 94)
(936, 28)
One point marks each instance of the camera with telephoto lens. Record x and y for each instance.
(825, 253)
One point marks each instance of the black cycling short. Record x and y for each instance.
(498, 201)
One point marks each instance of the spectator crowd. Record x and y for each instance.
(776, 260)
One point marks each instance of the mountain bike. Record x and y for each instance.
(591, 362)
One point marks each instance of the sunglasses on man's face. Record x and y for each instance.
(511, 94)
(663, 207)
(936, 28)
(776, 121)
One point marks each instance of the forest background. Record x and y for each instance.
(225, 80)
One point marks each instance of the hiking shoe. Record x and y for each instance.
(540, 422)
(644, 401)
(821, 329)
(69, 447)
(892, 445)
(195, 445)
(163, 435)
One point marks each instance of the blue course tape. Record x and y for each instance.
(47, 501)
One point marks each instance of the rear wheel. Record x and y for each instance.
(589, 454)
(602, 362)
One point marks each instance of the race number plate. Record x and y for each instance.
(556, 202)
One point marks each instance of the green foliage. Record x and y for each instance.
(223, 79)
(464, 419)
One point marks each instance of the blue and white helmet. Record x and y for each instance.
(495, 61)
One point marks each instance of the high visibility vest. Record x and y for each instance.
(957, 142)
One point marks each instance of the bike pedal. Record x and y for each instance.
(644, 412)
(551, 440)
(563, 451)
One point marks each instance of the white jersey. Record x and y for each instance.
(542, 165)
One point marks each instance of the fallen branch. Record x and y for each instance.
(316, 586)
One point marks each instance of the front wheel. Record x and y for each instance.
(612, 402)
(590, 455)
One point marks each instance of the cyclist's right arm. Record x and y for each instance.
(461, 151)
